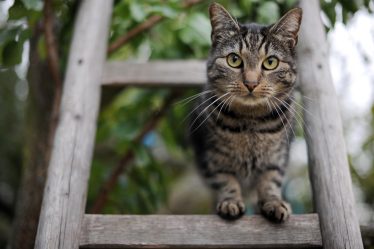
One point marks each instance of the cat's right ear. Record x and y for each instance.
(223, 25)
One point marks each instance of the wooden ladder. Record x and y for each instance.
(63, 222)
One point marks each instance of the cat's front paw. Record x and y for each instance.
(276, 210)
(230, 209)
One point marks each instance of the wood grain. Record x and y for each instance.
(198, 231)
(155, 73)
(329, 170)
(66, 188)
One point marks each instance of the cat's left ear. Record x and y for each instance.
(288, 26)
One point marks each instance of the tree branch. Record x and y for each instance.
(144, 26)
(110, 183)
(52, 55)
(53, 65)
(122, 40)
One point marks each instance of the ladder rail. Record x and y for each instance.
(65, 192)
(328, 162)
(198, 231)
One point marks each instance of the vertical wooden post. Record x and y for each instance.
(66, 188)
(329, 170)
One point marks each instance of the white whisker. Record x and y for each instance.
(290, 109)
(197, 107)
(190, 98)
(226, 101)
(276, 109)
(302, 107)
(302, 124)
(205, 109)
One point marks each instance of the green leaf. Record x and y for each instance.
(33, 4)
(268, 13)
(291, 3)
(165, 11)
(349, 5)
(330, 13)
(137, 11)
(12, 53)
(17, 11)
(197, 30)
(24, 35)
(9, 34)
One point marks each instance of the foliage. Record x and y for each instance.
(366, 180)
(162, 156)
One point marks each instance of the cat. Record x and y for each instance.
(241, 127)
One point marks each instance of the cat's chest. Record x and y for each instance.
(248, 152)
(245, 144)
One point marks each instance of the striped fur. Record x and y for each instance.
(242, 138)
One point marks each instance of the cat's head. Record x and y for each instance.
(251, 62)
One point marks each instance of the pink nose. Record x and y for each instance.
(251, 79)
(250, 85)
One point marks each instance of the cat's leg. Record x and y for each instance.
(269, 194)
(230, 203)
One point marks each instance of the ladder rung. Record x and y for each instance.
(171, 73)
(198, 231)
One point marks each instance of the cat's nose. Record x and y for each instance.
(250, 85)
(251, 80)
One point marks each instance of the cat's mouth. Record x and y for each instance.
(253, 95)
(252, 98)
(250, 95)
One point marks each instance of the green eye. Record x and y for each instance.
(270, 63)
(234, 60)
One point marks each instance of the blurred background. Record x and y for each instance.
(142, 162)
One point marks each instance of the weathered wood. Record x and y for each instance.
(329, 171)
(198, 231)
(155, 73)
(66, 188)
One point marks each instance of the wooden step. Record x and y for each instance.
(174, 73)
(198, 231)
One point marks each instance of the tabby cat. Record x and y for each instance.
(242, 125)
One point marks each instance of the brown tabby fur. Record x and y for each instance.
(242, 125)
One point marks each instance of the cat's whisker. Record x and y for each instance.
(276, 109)
(286, 105)
(306, 97)
(299, 118)
(205, 109)
(191, 98)
(292, 111)
(302, 107)
(197, 107)
(220, 104)
(288, 121)
(285, 116)
(268, 105)
(229, 106)
(225, 101)
(302, 124)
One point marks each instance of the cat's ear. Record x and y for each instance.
(223, 25)
(288, 26)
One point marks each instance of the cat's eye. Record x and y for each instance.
(270, 63)
(234, 60)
